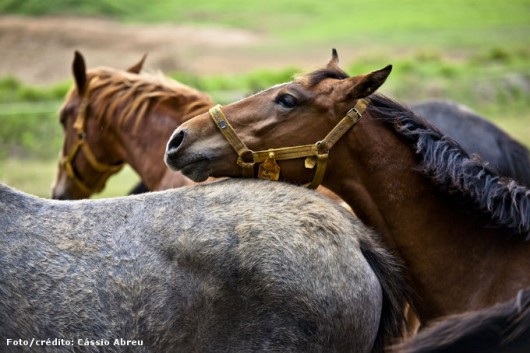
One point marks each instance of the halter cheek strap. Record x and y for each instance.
(80, 145)
(245, 156)
(316, 154)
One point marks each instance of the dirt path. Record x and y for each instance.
(40, 50)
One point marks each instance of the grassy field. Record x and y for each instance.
(36, 177)
(474, 52)
(464, 24)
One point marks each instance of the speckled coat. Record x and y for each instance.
(233, 266)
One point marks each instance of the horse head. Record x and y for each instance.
(261, 126)
(87, 160)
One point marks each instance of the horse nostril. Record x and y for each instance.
(175, 142)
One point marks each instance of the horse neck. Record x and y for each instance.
(142, 142)
(425, 227)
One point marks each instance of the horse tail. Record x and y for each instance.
(395, 293)
(504, 327)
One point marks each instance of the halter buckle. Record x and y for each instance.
(269, 169)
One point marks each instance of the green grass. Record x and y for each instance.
(36, 177)
(463, 24)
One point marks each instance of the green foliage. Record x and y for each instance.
(36, 177)
(30, 134)
(60, 7)
(219, 85)
(12, 90)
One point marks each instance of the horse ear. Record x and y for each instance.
(79, 71)
(334, 61)
(364, 85)
(136, 68)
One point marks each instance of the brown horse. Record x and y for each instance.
(111, 117)
(121, 89)
(122, 117)
(456, 224)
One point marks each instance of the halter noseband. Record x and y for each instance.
(80, 145)
(316, 154)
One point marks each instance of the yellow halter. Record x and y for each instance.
(316, 154)
(80, 145)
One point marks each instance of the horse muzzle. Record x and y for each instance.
(174, 149)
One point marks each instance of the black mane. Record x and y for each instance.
(505, 203)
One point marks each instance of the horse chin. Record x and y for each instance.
(197, 171)
(62, 190)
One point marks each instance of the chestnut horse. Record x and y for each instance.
(111, 117)
(457, 225)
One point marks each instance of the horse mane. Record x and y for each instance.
(122, 95)
(500, 199)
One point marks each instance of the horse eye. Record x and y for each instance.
(286, 100)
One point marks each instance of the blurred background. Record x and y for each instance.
(476, 52)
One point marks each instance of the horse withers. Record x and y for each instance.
(230, 266)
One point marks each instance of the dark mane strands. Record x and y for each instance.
(447, 164)
(450, 167)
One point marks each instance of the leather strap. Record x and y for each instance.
(81, 145)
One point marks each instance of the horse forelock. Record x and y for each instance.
(315, 77)
(452, 169)
(118, 96)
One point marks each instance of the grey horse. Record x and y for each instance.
(232, 266)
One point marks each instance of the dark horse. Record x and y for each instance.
(503, 328)
(457, 225)
(230, 266)
(479, 136)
